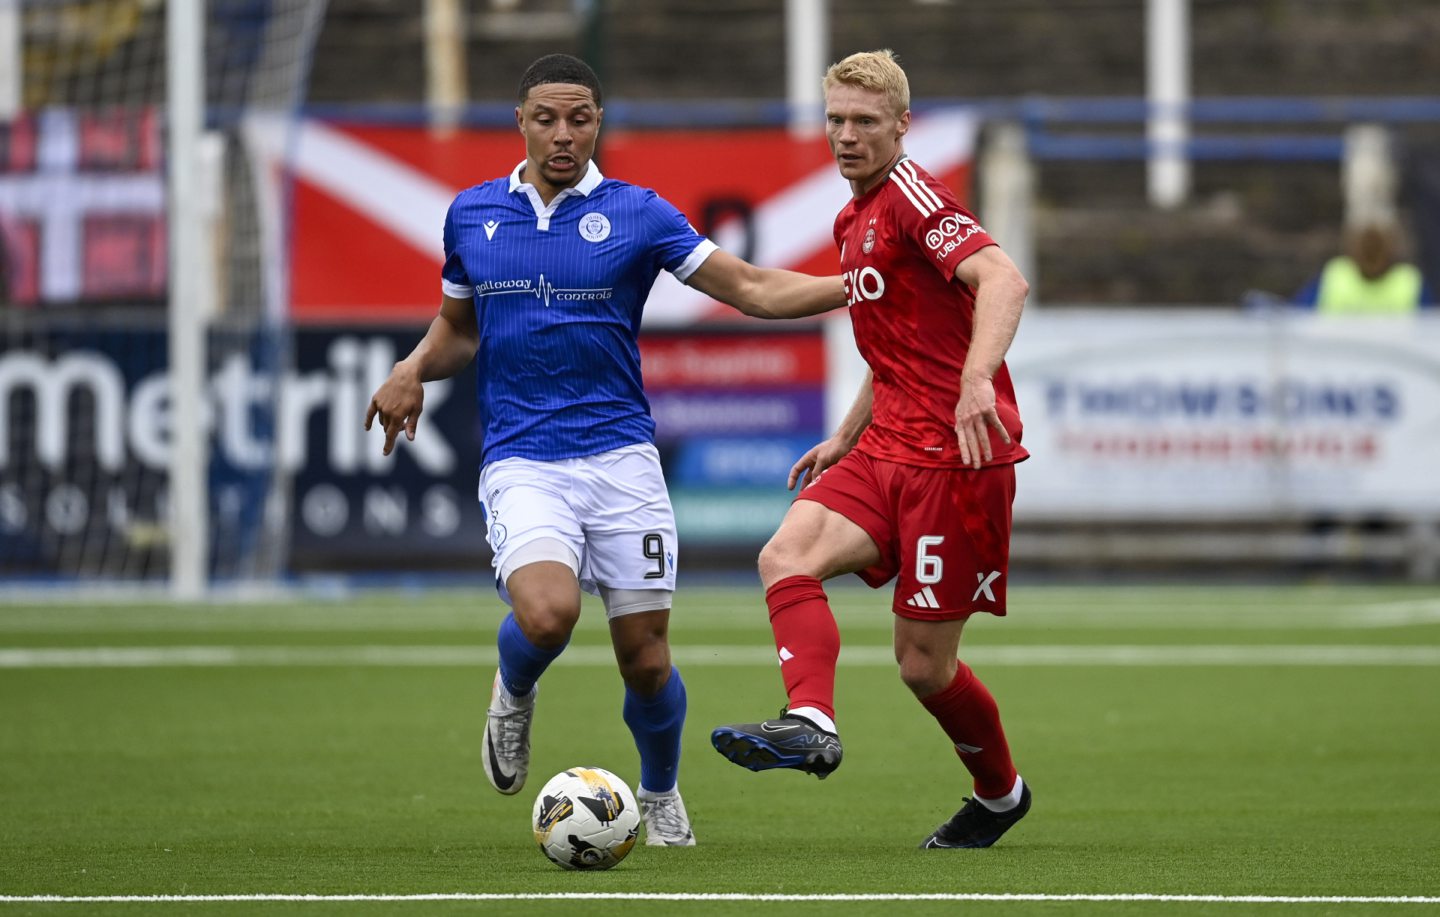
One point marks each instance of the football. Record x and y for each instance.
(586, 818)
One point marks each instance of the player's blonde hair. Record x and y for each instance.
(876, 71)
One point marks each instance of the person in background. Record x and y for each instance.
(1368, 279)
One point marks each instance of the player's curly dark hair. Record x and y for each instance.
(560, 68)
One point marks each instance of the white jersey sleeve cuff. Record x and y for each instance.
(697, 258)
(456, 290)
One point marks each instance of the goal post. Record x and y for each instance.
(189, 446)
(144, 321)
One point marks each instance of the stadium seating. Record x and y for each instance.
(1250, 224)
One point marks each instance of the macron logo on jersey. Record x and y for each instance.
(490, 227)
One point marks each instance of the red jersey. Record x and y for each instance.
(899, 245)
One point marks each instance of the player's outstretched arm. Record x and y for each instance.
(1000, 291)
(832, 450)
(766, 292)
(447, 347)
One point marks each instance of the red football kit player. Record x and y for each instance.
(941, 526)
(918, 482)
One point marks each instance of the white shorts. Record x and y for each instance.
(610, 510)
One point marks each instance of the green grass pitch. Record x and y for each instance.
(1264, 749)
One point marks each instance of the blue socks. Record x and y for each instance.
(522, 662)
(656, 723)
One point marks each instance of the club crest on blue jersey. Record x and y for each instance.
(595, 227)
(558, 290)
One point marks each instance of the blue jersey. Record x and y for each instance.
(558, 294)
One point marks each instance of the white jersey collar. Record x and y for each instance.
(583, 187)
(543, 213)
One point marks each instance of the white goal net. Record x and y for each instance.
(87, 390)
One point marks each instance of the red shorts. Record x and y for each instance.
(945, 531)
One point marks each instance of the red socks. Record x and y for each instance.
(969, 716)
(807, 640)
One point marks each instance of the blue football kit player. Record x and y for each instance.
(545, 279)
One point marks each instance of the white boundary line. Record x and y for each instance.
(228, 656)
(681, 896)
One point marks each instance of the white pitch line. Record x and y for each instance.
(146, 657)
(733, 896)
(1395, 614)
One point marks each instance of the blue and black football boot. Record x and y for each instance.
(788, 741)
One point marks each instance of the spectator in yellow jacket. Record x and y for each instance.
(1369, 279)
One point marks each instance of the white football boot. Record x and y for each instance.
(506, 746)
(667, 824)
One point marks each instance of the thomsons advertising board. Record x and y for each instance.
(1206, 415)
